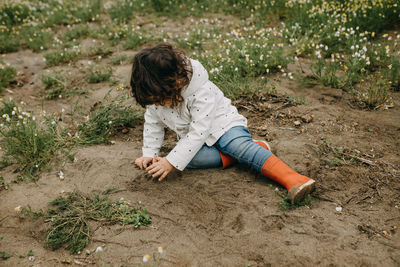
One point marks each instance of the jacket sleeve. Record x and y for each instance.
(153, 133)
(202, 108)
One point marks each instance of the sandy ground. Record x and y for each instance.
(227, 217)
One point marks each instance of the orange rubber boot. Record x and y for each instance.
(228, 160)
(298, 185)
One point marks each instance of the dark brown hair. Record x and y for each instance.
(159, 74)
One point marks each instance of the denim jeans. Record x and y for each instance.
(237, 143)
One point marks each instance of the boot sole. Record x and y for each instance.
(299, 193)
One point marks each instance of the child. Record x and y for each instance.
(177, 94)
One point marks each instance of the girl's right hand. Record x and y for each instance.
(142, 162)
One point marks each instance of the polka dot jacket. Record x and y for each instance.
(204, 116)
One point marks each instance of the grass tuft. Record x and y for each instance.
(106, 120)
(56, 85)
(26, 142)
(7, 75)
(98, 74)
(286, 205)
(4, 255)
(69, 218)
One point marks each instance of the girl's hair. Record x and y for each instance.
(159, 74)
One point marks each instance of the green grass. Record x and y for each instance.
(26, 142)
(57, 85)
(101, 51)
(118, 59)
(98, 74)
(286, 205)
(3, 185)
(69, 218)
(339, 156)
(35, 38)
(76, 32)
(373, 93)
(106, 120)
(4, 255)
(7, 75)
(61, 56)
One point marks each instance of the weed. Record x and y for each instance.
(61, 57)
(99, 74)
(286, 205)
(101, 51)
(105, 120)
(326, 72)
(8, 42)
(298, 100)
(7, 75)
(54, 84)
(375, 95)
(134, 39)
(338, 156)
(76, 32)
(118, 59)
(13, 14)
(123, 10)
(109, 190)
(3, 184)
(69, 218)
(35, 38)
(5, 255)
(57, 86)
(29, 144)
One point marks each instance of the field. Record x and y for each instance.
(318, 79)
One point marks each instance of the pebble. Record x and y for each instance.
(297, 123)
(307, 118)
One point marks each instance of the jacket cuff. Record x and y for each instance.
(176, 162)
(149, 152)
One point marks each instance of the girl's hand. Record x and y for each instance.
(160, 166)
(142, 162)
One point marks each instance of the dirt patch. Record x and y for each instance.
(230, 217)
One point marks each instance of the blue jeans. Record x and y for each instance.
(237, 143)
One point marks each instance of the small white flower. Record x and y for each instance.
(146, 258)
(339, 209)
(31, 258)
(62, 110)
(53, 122)
(18, 208)
(110, 122)
(99, 249)
(160, 249)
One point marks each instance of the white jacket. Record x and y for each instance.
(203, 117)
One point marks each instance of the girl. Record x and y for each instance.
(177, 94)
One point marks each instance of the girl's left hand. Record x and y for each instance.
(160, 166)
